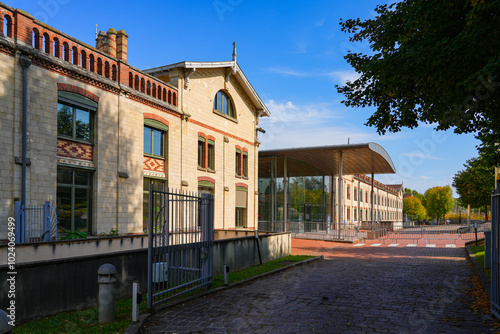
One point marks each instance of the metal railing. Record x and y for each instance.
(495, 253)
(180, 244)
(35, 223)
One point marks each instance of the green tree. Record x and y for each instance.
(475, 183)
(432, 61)
(413, 207)
(438, 201)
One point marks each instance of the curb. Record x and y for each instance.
(485, 281)
(134, 328)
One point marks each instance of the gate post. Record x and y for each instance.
(46, 222)
(151, 228)
(18, 216)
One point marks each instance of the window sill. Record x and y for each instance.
(232, 119)
(154, 156)
(201, 169)
(76, 140)
(238, 176)
(211, 171)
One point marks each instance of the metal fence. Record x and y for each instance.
(437, 234)
(180, 244)
(495, 253)
(35, 223)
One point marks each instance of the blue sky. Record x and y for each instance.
(292, 53)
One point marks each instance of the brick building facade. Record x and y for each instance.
(99, 131)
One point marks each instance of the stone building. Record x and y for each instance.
(98, 130)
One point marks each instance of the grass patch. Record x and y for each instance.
(478, 252)
(87, 321)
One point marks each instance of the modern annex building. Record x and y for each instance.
(82, 128)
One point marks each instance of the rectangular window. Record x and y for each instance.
(348, 192)
(355, 194)
(74, 122)
(245, 164)
(154, 142)
(158, 184)
(74, 199)
(238, 162)
(211, 155)
(348, 213)
(355, 213)
(201, 152)
(241, 208)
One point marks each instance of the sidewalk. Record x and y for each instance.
(354, 290)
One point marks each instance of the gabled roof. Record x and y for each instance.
(236, 71)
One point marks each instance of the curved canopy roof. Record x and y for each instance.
(324, 160)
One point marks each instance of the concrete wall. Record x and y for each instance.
(62, 276)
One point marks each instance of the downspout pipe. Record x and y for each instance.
(25, 62)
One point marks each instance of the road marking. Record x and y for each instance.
(431, 245)
(358, 245)
(375, 245)
(451, 246)
(411, 245)
(393, 245)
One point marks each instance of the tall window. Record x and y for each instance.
(238, 162)
(154, 142)
(74, 198)
(355, 194)
(241, 207)
(245, 164)
(211, 155)
(348, 192)
(74, 120)
(223, 103)
(158, 184)
(201, 152)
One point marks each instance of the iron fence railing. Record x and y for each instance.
(495, 253)
(35, 223)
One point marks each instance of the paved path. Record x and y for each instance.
(354, 290)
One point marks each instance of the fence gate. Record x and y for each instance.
(495, 253)
(180, 244)
(35, 223)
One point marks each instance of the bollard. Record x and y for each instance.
(106, 276)
(5, 327)
(226, 275)
(136, 300)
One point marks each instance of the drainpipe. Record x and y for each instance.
(25, 62)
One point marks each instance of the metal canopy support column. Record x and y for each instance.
(341, 186)
(285, 194)
(373, 199)
(331, 203)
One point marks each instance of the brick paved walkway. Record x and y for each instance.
(354, 290)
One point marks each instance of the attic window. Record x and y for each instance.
(223, 104)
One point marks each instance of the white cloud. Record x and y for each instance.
(341, 77)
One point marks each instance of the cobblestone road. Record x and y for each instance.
(354, 290)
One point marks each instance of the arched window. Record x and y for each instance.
(35, 39)
(46, 43)
(136, 82)
(154, 90)
(223, 104)
(148, 88)
(164, 95)
(174, 99)
(65, 51)
(143, 85)
(83, 59)
(99, 66)
(159, 92)
(7, 26)
(57, 48)
(106, 69)
(75, 55)
(91, 63)
(114, 73)
(130, 80)
(169, 96)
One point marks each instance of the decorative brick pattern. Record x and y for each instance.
(220, 131)
(206, 178)
(156, 118)
(239, 184)
(155, 165)
(75, 150)
(78, 90)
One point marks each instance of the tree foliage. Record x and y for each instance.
(413, 207)
(416, 194)
(433, 61)
(438, 201)
(475, 183)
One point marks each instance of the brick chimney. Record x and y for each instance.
(110, 48)
(101, 41)
(121, 45)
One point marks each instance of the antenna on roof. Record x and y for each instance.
(96, 31)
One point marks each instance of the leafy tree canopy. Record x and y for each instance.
(438, 201)
(416, 194)
(413, 207)
(475, 183)
(433, 61)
